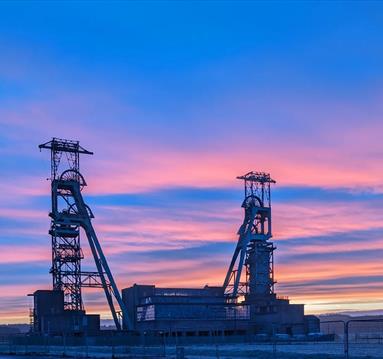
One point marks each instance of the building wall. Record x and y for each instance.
(51, 318)
(205, 310)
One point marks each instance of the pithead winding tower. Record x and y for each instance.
(254, 252)
(69, 214)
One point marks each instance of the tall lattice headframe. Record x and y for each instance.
(70, 214)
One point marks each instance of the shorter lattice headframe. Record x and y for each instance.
(258, 184)
(253, 255)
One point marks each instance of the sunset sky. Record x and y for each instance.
(176, 99)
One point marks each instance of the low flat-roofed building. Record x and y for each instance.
(50, 318)
(189, 311)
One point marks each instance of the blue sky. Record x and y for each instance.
(176, 99)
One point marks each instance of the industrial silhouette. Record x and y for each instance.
(245, 304)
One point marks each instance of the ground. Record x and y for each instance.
(326, 350)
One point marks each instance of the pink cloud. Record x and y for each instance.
(22, 213)
(24, 254)
(306, 219)
(135, 163)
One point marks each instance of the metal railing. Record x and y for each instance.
(349, 341)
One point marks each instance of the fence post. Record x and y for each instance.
(216, 351)
(345, 340)
(64, 339)
(274, 342)
(163, 344)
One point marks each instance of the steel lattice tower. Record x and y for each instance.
(254, 251)
(70, 214)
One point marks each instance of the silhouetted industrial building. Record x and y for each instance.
(51, 318)
(193, 312)
(247, 305)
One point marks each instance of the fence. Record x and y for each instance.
(352, 338)
(360, 337)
